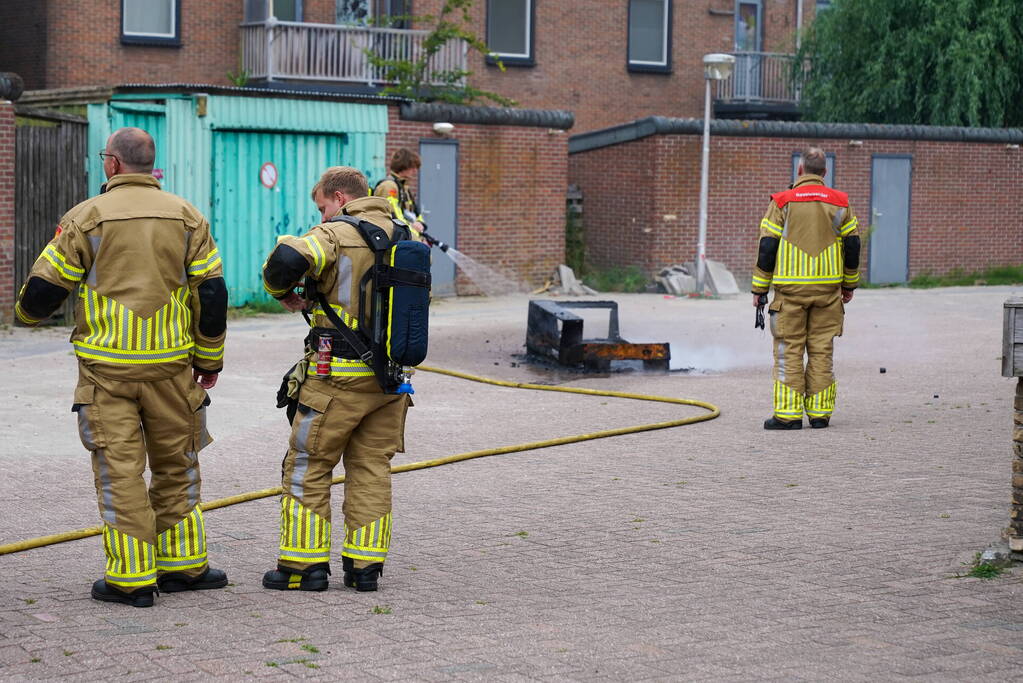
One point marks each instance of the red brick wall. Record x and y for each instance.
(23, 40)
(580, 54)
(641, 199)
(511, 194)
(7, 283)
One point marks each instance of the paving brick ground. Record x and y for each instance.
(715, 551)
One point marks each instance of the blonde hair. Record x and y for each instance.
(341, 179)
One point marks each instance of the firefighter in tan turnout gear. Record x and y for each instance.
(810, 253)
(396, 188)
(150, 318)
(343, 415)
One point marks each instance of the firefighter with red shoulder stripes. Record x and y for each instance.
(810, 254)
(150, 321)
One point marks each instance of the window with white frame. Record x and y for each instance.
(510, 30)
(282, 10)
(151, 22)
(649, 35)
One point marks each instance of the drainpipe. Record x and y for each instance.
(799, 23)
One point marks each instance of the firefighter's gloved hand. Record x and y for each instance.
(756, 300)
(847, 295)
(207, 380)
(292, 301)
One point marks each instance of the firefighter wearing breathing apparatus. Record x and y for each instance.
(397, 190)
(350, 398)
(810, 254)
(151, 315)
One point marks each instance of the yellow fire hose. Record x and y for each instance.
(52, 539)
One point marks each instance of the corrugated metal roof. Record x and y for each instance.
(310, 116)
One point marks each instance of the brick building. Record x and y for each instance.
(915, 190)
(608, 61)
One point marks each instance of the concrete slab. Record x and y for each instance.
(713, 551)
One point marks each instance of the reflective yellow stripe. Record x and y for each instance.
(305, 535)
(788, 404)
(200, 266)
(370, 542)
(24, 317)
(770, 227)
(130, 561)
(209, 353)
(848, 227)
(59, 262)
(851, 279)
(319, 259)
(822, 404)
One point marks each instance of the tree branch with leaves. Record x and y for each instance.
(415, 78)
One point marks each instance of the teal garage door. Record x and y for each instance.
(261, 186)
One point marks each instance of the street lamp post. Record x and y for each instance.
(716, 67)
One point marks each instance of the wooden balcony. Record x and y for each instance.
(761, 86)
(328, 53)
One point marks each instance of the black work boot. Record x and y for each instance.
(819, 422)
(364, 578)
(175, 582)
(142, 597)
(775, 423)
(284, 578)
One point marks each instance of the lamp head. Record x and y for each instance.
(717, 66)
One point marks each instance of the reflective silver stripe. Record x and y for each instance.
(148, 577)
(131, 355)
(163, 563)
(836, 222)
(94, 241)
(306, 553)
(109, 515)
(193, 478)
(301, 457)
(382, 554)
(781, 356)
(344, 280)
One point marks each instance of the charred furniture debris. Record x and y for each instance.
(555, 332)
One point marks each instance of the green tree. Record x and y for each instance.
(415, 79)
(933, 62)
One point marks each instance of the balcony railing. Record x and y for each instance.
(760, 77)
(293, 51)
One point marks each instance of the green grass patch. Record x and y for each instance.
(980, 569)
(255, 308)
(616, 279)
(997, 275)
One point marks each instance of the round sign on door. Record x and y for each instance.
(268, 175)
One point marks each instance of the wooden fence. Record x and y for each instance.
(50, 178)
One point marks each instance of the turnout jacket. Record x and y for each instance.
(399, 195)
(151, 292)
(336, 256)
(809, 241)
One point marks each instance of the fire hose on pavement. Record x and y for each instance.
(713, 412)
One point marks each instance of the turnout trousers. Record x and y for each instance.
(351, 421)
(123, 423)
(804, 330)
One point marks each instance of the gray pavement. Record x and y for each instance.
(714, 551)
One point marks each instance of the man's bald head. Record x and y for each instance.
(815, 161)
(134, 148)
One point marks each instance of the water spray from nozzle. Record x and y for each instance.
(434, 242)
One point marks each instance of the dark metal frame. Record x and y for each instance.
(515, 61)
(651, 68)
(553, 331)
(174, 41)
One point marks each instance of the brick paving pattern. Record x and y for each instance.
(715, 551)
